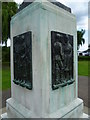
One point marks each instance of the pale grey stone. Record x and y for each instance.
(42, 102)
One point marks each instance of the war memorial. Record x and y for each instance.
(44, 77)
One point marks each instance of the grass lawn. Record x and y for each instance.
(83, 69)
(6, 79)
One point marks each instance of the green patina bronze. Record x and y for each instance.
(22, 55)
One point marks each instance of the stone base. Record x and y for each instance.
(16, 110)
(84, 116)
(4, 116)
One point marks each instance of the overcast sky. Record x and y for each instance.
(80, 9)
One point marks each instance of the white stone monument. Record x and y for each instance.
(45, 96)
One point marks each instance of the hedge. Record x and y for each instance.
(86, 58)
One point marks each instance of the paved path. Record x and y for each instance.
(5, 95)
(82, 92)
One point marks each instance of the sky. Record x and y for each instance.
(80, 9)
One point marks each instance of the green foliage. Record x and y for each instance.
(0, 22)
(0, 53)
(5, 54)
(84, 58)
(8, 10)
(80, 39)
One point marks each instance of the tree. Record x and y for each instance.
(80, 39)
(8, 10)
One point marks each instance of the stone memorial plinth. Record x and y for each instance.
(44, 76)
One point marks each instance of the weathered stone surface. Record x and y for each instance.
(41, 19)
(26, 3)
(42, 101)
